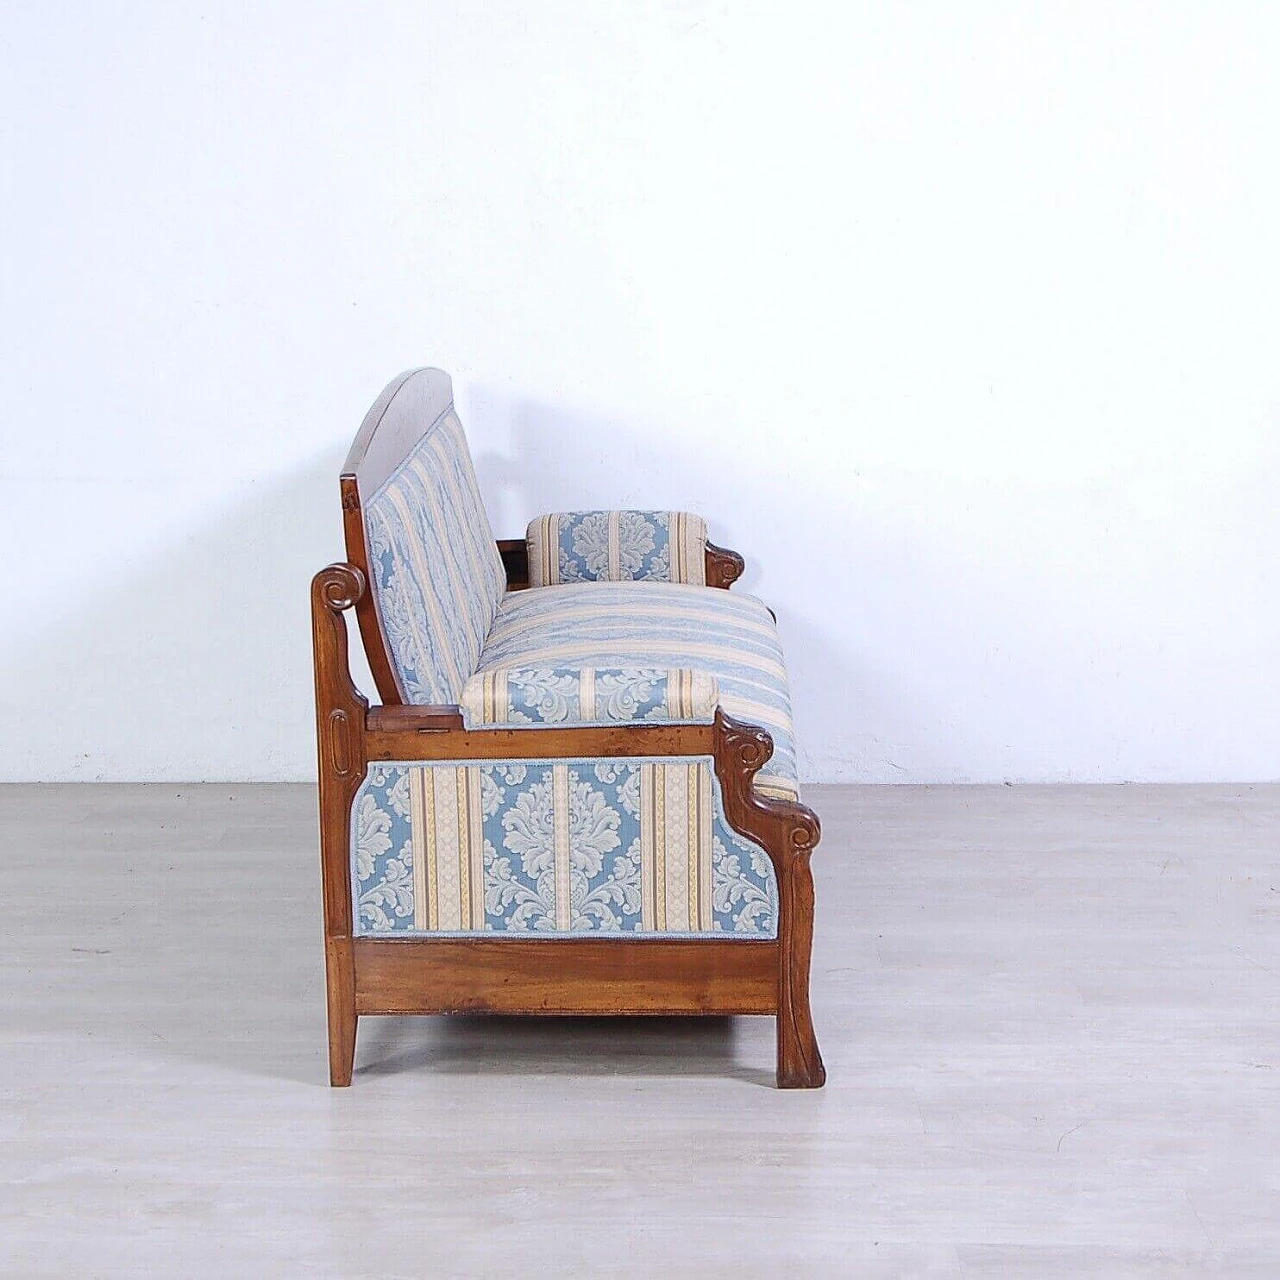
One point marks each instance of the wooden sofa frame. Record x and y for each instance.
(505, 975)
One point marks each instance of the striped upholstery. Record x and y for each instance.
(535, 696)
(658, 624)
(617, 546)
(518, 847)
(622, 630)
(436, 573)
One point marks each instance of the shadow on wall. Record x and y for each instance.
(198, 667)
(825, 566)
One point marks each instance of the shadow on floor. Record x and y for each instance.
(503, 1046)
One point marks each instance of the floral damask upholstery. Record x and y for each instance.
(588, 695)
(547, 847)
(617, 546)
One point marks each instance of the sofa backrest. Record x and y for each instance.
(417, 528)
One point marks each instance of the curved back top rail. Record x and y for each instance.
(398, 419)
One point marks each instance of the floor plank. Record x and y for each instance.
(1049, 1017)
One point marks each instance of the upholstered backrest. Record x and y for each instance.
(434, 569)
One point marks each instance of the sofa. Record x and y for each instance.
(578, 794)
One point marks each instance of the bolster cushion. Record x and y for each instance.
(617, 546)
(588, 695)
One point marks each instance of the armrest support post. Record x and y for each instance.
(340, 741)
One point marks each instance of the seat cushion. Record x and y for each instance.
(658, 624)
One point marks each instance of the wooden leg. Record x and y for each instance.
(799, 1061)
(341, 982)
(340, 718)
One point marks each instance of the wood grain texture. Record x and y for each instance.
(788, 831)
(401, 733)
(515, 560)
(340, 714)
(724, 567)
(565, 976)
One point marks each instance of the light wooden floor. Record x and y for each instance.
(1049, 1015)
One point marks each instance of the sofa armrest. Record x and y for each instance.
(537, 696)
(617, 546)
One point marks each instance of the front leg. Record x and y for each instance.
(340, 986)
(799, 1060)
(340, 720)
(787, 831)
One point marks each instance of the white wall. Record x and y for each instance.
(960, 320)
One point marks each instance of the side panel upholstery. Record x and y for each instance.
(619, 846)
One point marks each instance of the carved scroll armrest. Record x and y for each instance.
(786, 828)
(334, 590)
(724, 567)
(788, 832)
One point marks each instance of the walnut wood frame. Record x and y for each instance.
(631, 975)
(553, 975)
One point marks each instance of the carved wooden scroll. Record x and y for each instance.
(724, 567)
(788, 832)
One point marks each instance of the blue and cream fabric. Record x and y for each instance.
(437, 575)
(555, 847)
(586, 695)
(617, 546)
(649, 624)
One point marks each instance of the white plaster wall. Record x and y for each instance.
(960, 320)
